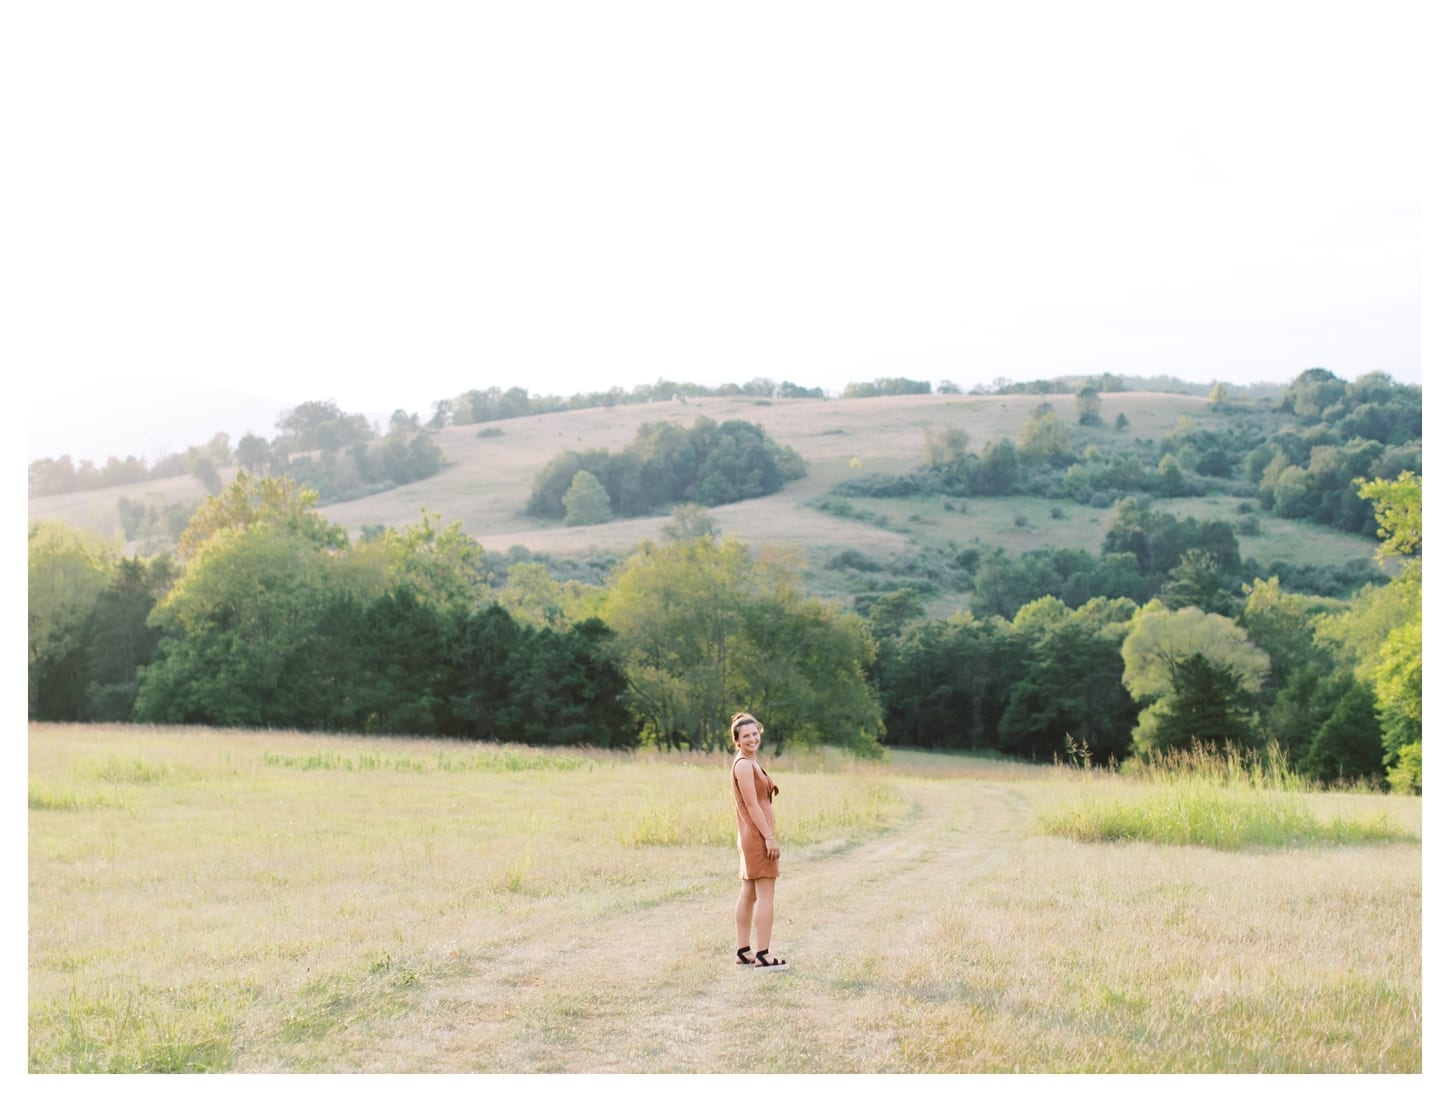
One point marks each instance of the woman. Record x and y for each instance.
(755, 835)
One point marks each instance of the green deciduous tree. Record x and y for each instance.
(1397, 513)
(586, 501)
(1197, 673)
(566, 688)
(705, 628)
(999, 468)
(120, 642)
(1046, 439)
(1197, 581)
(243, 641)
(946, 683)
(68, 571)
(321, 424)
(205, 472)
(1348, 744)
(1072, 683)
(250, 502)
(535, 598)
(1380, 633)
(443, 565)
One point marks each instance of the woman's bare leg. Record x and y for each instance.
(764, 911)
(744, 910)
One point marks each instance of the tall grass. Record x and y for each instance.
(277, 902)
(1224, 798)
(196, 892)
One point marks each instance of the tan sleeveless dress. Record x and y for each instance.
(754, 864)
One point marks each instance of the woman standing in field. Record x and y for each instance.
(755, 836)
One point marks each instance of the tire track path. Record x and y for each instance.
(656, 990)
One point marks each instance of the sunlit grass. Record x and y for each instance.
(1205, 797)
(1145, 959)
(194, 888)
(278, 902)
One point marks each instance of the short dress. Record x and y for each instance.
(754, 864)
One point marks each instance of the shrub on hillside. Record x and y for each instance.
(708, 464)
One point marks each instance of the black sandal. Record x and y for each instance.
(763, 959)
(743, 955)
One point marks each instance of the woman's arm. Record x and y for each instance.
(745, 780)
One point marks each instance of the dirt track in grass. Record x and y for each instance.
(657, 990)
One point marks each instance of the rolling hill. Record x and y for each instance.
(490, 470)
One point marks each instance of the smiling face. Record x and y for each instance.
(747, 736)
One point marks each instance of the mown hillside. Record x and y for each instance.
(489, 472)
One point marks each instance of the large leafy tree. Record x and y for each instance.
(1072, 686)
(946, 684)
(1348, 743)
(998, 472)
(250, 502)
(703, 629)
(1197, 672)
(565, 688)
(120, 641)
(1197, 582)
(482, 708)
(1046, 439)
(1395, 667)
(442, 565)
(1299, 692)
(243, 636)
(1381, 631)
(322, 424)
(586, 501)
(395, 670)
(68, 572)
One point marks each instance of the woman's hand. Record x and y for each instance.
(772, 848)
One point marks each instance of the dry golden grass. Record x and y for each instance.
(272, 901)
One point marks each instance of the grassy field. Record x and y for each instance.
(205, 900)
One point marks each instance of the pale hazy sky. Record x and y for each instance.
(390, 203)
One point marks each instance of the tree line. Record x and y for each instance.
(341, 455)
(269, 617)
(322, 426)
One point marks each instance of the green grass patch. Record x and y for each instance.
(114, 769)
(137, 1029)
(1223, 799)
(1204, 815)
(44, 798)
(385, 988)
